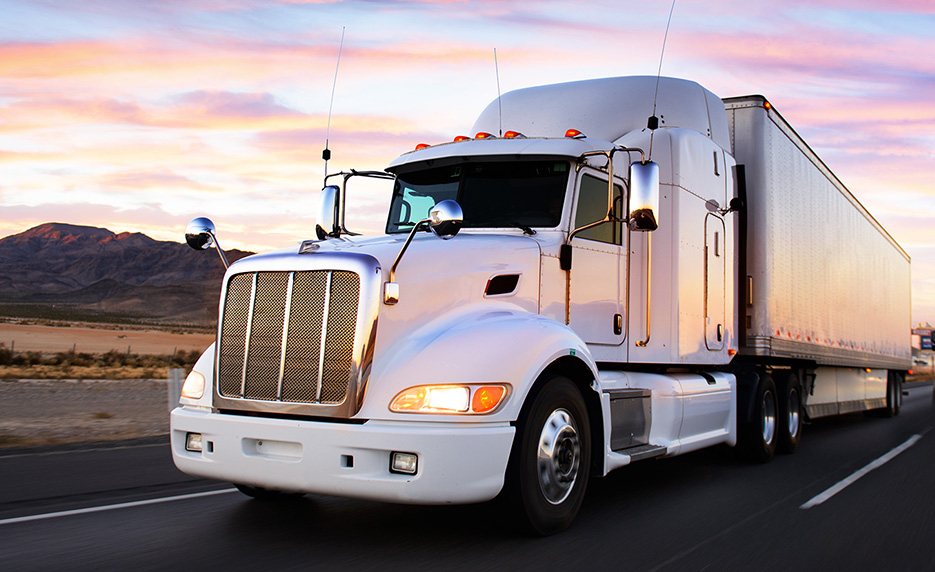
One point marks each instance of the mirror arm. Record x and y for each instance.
(402, 251)
(217, 246)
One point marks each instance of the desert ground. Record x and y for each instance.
(83, 338)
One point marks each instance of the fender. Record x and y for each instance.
(498, 343)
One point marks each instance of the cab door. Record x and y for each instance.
(597, 280)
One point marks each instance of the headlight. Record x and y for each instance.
(194, 386)
(449, 399)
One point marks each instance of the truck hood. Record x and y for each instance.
(439, 280)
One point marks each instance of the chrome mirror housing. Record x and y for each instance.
(644, 196)
(328, 213)
(200, 235)
(446, 219)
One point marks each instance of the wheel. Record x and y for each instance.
(258, 493)
(790, 415)
(551, 458)
(894, 395)
(762, 432)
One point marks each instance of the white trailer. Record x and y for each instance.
(827, 288)
(614, 285)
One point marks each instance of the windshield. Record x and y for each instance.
(513, 194)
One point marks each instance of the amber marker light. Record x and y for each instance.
(483, 135)
(460, 138)
(767, 105)
(487, 398)
(574, 134)
(513, 135)
(421, 146)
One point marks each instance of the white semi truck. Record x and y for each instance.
(642, 270)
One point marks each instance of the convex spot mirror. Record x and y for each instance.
(644, 196)
(327, 212)
(199, 234)
(446, 219)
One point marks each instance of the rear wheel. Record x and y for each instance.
(551, 457)
(894, 394)
(762, 431)
(790, 415)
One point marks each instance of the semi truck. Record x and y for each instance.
(634, 269)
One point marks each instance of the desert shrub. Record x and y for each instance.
(6, 356)
(26, 359)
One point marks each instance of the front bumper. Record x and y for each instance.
(458, 462)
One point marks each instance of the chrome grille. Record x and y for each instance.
(289, 336)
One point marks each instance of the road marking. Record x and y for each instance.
(90, 450)
(853, 478)
(112, 506)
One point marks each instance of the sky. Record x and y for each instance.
(137, 116)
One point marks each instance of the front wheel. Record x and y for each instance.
(551, 457)
(259, 493)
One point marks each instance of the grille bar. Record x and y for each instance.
(324, 337)
(289, 337)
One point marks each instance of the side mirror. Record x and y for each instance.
(446, 219)
(199, 234)
(644, 196)
(328, 213)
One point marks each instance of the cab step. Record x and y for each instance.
(643, 452)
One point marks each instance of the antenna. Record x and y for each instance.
(653, 122)
(499, 105)
(326, 154)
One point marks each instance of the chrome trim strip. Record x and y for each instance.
(285, 335)
(324, 337)
(246, 343)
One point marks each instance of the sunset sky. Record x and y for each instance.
(139, 115)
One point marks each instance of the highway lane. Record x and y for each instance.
(703, 511)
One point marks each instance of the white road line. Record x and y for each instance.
(91, 450)
(851, 479)
(112, 506)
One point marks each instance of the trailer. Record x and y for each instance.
(633, 269)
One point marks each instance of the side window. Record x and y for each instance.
(592, 206)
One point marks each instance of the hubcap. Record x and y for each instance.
(793, 413)
(769, 417)
(558, 456)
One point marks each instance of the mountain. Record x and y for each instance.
(87, 271)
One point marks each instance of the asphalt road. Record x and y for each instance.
(702, 511)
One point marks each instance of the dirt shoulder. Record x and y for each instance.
(48, 412)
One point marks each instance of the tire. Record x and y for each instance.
(894, 395)
(762, 434)
(790, 415)
(551, 457)
(259, 493)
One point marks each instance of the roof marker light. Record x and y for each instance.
(575, 134)
(460, 138)
(483, 135)
(422, 146)
(767, 105)
(513, 135)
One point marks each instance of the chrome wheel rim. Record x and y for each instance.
(793, 413)
(558, 456)
(769, 417)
